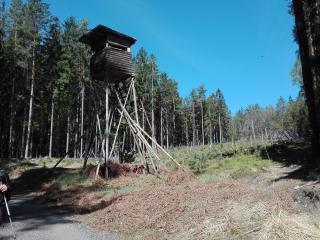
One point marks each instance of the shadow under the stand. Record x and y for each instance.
(293, 153)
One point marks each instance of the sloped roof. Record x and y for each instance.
(101, 33)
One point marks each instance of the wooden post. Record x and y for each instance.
(135, 101)
(120, 119)
(106, 154)
(141, 132)
(135, 105)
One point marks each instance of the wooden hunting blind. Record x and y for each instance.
(112, 60)
(112, 63)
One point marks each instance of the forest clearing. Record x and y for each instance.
(244, 196)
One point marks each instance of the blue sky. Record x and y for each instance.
(245, 48)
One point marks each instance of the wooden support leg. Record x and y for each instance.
(106, 156)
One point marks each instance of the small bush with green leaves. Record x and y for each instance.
(198, 162)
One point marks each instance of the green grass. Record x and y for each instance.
(236, 160)
(198, 158)
(26, 164)
(69, 179)
(236, 167)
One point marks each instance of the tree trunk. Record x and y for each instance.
(193, 126)
(187, 134)
(31, 143)
(12, 113)
(167, 129)
(68, 133)
(174, 122)
(253, 132)
(307, 75)
(23, 134)
(75, 154)
(210, 132)
(51, 127)
(220, 130)
(161, 126)
(12, 102)
(81, 127)
(33, 73)
(198, 141)
(152, 111)
(202, 124)
(96, 141)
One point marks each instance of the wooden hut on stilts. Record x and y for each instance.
(112, 64)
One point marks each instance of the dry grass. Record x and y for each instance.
(230, 209)
(257, 220)
(180, 205)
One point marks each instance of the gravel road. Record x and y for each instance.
(35, 221)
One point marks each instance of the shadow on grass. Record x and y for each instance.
(294, 155)
(35, 181)
(8, 163)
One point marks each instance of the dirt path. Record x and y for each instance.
(35, 221)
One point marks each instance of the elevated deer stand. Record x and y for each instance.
(111, 63)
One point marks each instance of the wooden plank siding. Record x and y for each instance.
(112, 60)
(111, 65)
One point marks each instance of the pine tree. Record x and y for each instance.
(37, 17)
(51, 71)
(223, 111)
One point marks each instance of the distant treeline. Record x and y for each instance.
(47, 96)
